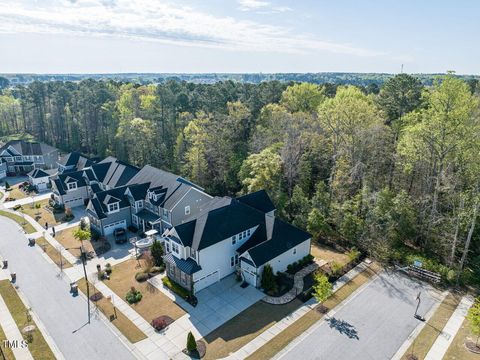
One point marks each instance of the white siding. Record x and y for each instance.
(281, 262)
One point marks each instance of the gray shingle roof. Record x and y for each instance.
(188, 266)
(258, 200)
(37, 174)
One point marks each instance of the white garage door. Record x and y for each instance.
(74, 202)
(205, 281)
(249, 277)
(108, 229)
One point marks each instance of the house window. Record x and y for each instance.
(175, 248)
(72, 186)
(183, 277)
(165, 213)
(113, 207)
(187, 210)
(139, 204)
(236, 259)
(248, 232)
(18, 158)
(294, 251)
(240, 236)
(234, 239)
(171, 271)
(167, 247)
(232, 261)
(193, 254)
(135, 220)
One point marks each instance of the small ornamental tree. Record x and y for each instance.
(268, 279)
(157, 252)
(81, 235)
(322, 288)
(7, 185)
(473, 317)
(191, 343)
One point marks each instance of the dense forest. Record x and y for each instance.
(391, 169)
(360, 79)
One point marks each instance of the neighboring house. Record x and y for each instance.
(109, 210)
(70, 189)
(232, 235)
(168, 201)
(73, 162)
(39, 178)
(23, 156)
(3, 169)
(153, 199)
(74, 188)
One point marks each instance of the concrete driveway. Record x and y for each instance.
(372, 325)
(48, 295)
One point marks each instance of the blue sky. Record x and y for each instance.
(101, 36)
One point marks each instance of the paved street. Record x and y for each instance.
(373, 325)
(48, 295)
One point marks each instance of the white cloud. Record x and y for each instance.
(161, 21)
(261, 6)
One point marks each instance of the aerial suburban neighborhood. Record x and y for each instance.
(243, 179)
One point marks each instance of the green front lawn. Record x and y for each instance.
(38, 347)
(26, 226)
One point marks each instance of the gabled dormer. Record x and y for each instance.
(112, 204)
(71, 184)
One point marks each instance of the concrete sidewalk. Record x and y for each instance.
(12, 333)
(27, 200)
(445, 338)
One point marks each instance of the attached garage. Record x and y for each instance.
(74, 202)
(206, 280)
(110, 228)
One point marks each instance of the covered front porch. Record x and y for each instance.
(146, 220)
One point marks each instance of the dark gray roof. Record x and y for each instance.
(284, 238)
(119, 173)
(147, 215)
(171, 186)
(258, 200)
(188, 266)
(65, 178)
(100, 170)
(38, 173)
(218, 220)
(98, 204)
(29, 148)
(139, 191)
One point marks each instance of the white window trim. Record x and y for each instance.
(72, 186)
(115, 207)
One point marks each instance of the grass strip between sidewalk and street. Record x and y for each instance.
(25, 225)
(117, 318)
(457, 349)
(279, 342)
(53, 253)
(6, 351)
(426, 338)
(38, 347)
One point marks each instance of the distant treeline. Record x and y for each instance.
(341, 78)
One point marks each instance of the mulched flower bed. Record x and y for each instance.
(473, 347)
(199, 353)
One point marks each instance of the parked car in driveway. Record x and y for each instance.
(120, 235)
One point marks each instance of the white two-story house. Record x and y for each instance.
(232, 235)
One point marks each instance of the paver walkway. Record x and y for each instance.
(445, 338)
(12, 332)
(274, 330)
(297, 285)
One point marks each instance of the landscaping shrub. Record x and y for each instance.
(300, 264)
(157, 269)
(191, 343)
(159, 323)
(83, 224)
(172, 285)
(101, 274)
(7, 185)
(68, 214)
(108, 268)
(38, 206)
(353, 254)
(133, 296)
(268, 279)
(157, 253)
(141, 276)
(17, 207)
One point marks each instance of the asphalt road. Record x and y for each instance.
(64, 316)
(373, 325)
